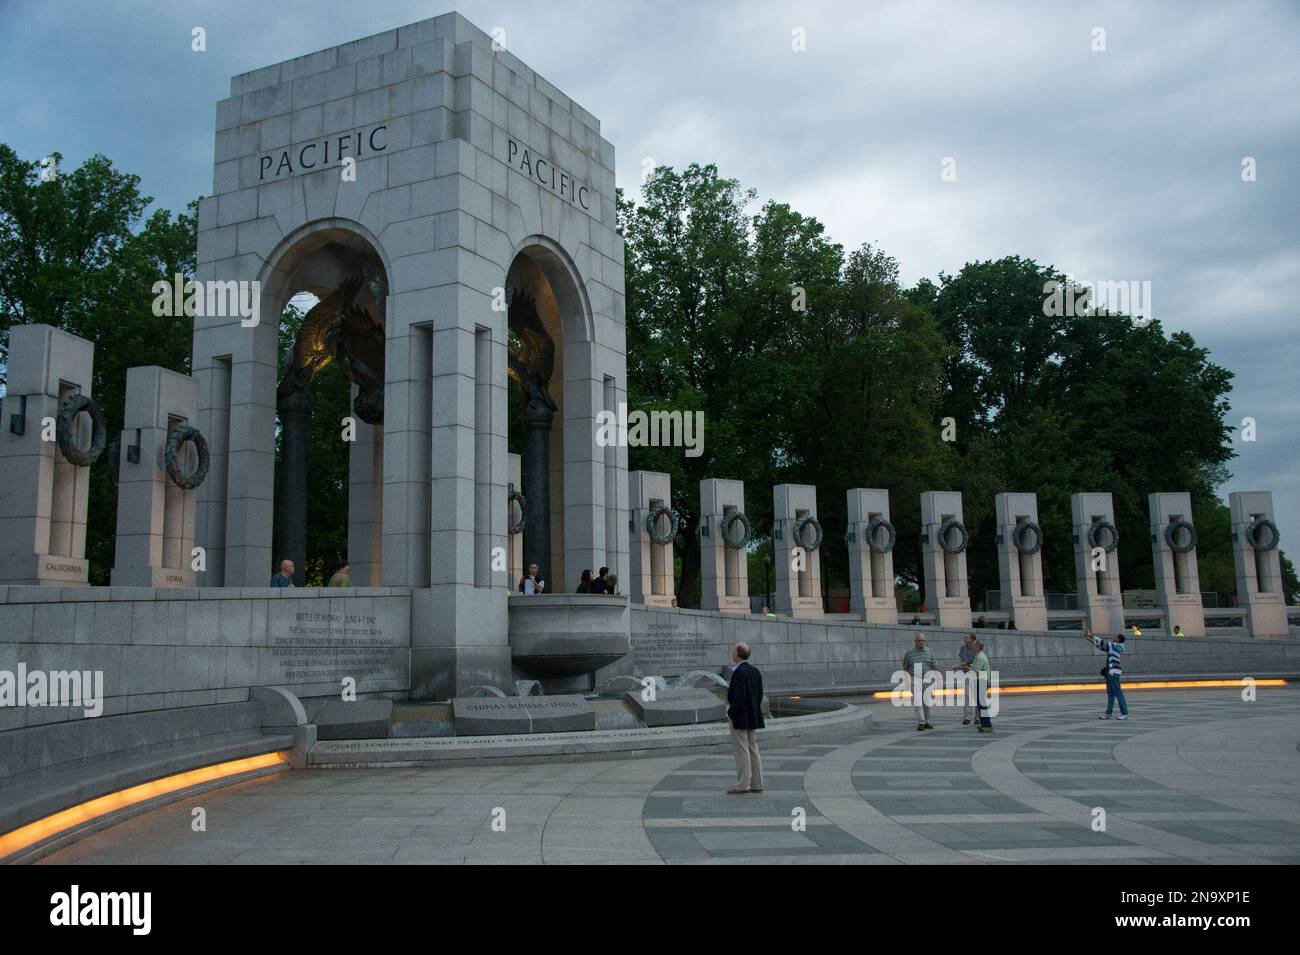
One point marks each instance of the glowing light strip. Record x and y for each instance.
(1079, 687)
(42, 829)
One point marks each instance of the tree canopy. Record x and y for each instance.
(818, 367)
(77, 253)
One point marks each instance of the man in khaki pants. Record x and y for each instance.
(745, 710)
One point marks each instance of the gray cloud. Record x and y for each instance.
(1116, 165)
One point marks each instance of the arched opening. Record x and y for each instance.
(331, 291)
(551, 415)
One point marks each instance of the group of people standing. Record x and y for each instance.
(971, 658)
(603, 583)
(285, 576)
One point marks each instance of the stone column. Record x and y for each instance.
(796, 560)
(294, 411)
(537, 489)
(871, 537)
(1173, 556)
(1020, 559)
(515, 553)
(724, 569)
(365, 503)
(1096, 562)
(155, 516)
(42, 494)
(946, 591)
(652, 563)
(1259, 565)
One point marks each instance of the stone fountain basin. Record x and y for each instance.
(558, 635)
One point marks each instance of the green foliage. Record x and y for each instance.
(73, 254)
(853, 389)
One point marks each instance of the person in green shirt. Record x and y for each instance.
(341, 578)
(981, 667)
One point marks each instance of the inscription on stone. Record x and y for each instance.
(317, 646)
(663, 648)
(495, 716)
(541, 170)
(325, 152)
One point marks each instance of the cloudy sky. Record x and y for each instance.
(1115, 165)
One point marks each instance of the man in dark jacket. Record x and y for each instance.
(745, 710)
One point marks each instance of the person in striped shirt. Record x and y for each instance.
(917, 662)
(1112, 671)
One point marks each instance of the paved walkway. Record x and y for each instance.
(1195, 776)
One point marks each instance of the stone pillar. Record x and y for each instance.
(294, 411)
(537, 489)
(155, 516)
(365, 503)
(724, 568)
(1020, 559)
(871, 538)
(652, 563)
(42, 494)
(943, 554)
(1173, 557)
(1259, 565)
(1096, 562)
(796, 540)
(514, 517)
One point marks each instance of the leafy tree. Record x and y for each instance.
(74, 255)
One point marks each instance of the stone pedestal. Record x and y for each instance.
(1020, 559)
(43, 496)
(871, 538)
(796, 546)
(1178, 581)
(652, 563)
(1259, 566)
(724, 569)
(946, 590)
(1096, 562)
(155, 517)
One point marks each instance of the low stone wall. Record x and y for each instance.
(833, 653)
(166, 649)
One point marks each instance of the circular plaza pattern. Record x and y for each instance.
(1194, 777)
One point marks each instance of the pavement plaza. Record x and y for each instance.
(1194, 777)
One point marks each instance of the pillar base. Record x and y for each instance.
(953, 612)
(160, 577)
(1266, 616)
(878, 610)
(799, 606)
(1104, 614)
(1185, 610)
(724, 604)
(46, 570)
(442, 673)
(1028, 613)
